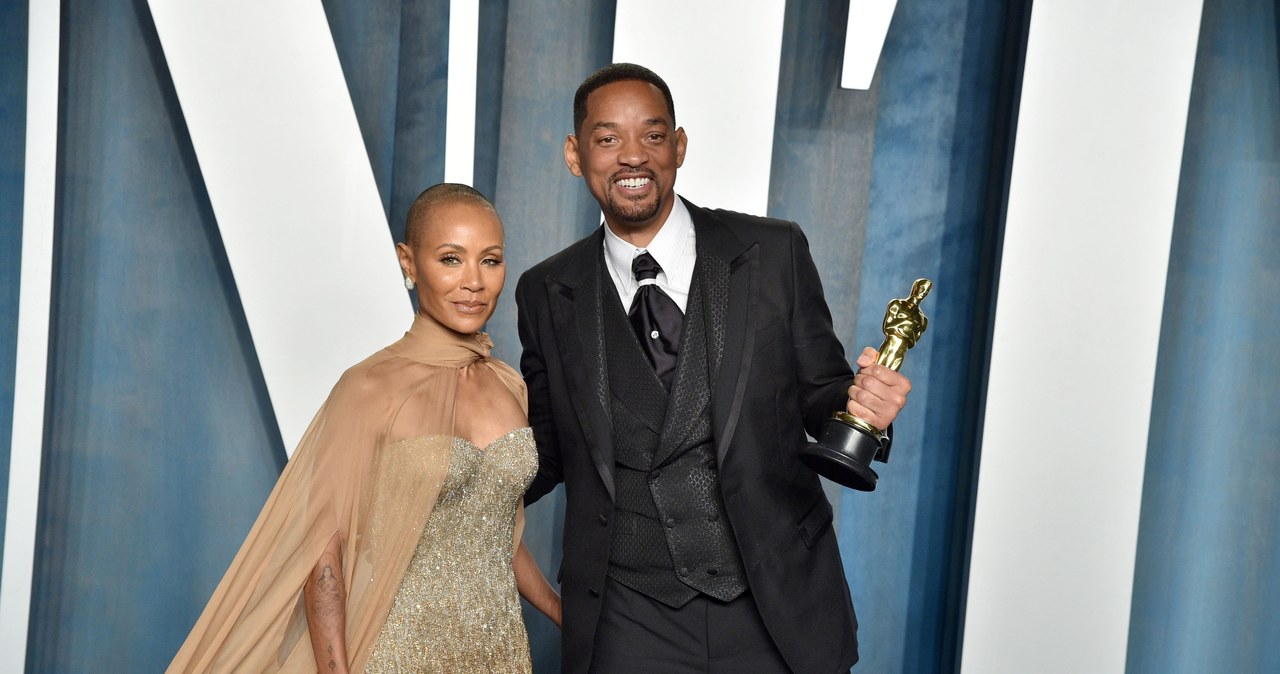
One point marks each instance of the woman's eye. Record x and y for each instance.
(492, 261)
(450, 259)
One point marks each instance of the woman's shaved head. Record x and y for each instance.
(439, 195)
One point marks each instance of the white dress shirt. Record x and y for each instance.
(673, 248)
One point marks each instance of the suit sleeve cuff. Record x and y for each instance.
(882, 454)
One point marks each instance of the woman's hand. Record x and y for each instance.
(533, 586)
(554, 611)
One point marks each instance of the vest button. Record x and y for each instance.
(684, 572)
(654, 474)
(604, 521)
(671, 522)
(713, 517)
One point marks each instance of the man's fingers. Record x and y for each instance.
(868, 414)
(893, 394)
(878, 393)
(871, 401)
(889, 377)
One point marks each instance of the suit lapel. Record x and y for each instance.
(730, 277)
(577, 313)
(690, 390)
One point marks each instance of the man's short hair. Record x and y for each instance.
(617, 72)
(439, 195)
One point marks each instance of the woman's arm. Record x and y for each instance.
(326, 599)
(533, 586)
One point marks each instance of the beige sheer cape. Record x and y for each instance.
(352, 474)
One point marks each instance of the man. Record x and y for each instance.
(675, 359)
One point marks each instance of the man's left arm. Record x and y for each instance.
(827, 384)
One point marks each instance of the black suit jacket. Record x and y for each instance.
(783, 372)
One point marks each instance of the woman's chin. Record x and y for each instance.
(463, 322)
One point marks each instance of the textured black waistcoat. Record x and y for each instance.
(671, 538)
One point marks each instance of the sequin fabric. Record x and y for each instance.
(457, 609)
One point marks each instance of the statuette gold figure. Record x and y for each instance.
(849, 443)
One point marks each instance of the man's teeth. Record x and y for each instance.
(633, 182)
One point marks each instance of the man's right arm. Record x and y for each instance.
(530, 308)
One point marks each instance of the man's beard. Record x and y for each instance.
(631, 211)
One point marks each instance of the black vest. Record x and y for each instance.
(671, 538)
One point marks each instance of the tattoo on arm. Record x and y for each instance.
(327, 584)
(325, 596)
(326, 601)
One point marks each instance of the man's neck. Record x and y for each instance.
(640, 235)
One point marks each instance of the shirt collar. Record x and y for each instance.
(666, 246)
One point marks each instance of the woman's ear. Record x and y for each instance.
(405, 254)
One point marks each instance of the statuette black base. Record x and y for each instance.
(843, 455)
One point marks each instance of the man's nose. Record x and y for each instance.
(633, 154)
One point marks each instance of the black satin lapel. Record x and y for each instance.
(713, 273)
(689, 392)
(739, 344)
(577, 315)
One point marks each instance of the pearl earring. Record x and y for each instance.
(408, 283)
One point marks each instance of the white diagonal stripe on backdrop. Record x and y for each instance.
(1090, 218)
(725, 85)
(280, 150)
(864, 40)
(460, 127)
(27, 441)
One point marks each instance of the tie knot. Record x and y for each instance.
(644, 267)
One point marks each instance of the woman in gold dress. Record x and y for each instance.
(392, 539)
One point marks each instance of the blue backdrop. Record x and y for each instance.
(1205, 588)
(13, 142)
(161, 445)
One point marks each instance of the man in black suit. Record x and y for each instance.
(675, 359)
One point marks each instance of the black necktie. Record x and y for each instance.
(656, 319)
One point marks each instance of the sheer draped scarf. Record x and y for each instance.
(369, 469)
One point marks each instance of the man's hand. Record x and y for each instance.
(878, 393)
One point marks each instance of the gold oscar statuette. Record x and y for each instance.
(848, 444)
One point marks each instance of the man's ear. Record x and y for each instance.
(682, 141)
(571, 155)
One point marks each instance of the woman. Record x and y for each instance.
(392, 539)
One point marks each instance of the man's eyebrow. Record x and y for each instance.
(612, 126)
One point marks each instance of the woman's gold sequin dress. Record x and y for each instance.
(457, 609)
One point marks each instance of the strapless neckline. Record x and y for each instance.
(509, 434)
